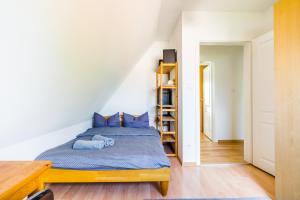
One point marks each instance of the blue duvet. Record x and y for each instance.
(134, 148)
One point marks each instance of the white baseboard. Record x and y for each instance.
(30, 149)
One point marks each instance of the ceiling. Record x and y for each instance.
(227, 5)
(171, 10)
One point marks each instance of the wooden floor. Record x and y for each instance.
(224, 152)
(186, 182)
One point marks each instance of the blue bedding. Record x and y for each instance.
(134, 148)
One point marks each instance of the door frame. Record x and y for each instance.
(202, 66)
(247, 73)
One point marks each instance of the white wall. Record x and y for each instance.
(31, 148)
(61, 60)
(208, 27)
(228, 90)
(137, 93)
(175, 42)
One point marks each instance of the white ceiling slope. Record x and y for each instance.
(171, 10)
(227, 5)
(60, 60)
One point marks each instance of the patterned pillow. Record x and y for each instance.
(141, 121)
(100, 121)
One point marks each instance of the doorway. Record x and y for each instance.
(222, 103)
(206, 99)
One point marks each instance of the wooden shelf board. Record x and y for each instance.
(168, 138)
(166, 106)
(167, 87)
(168, 132)
(167, 67)
(167, 118)
(167, 109)
(171, 154)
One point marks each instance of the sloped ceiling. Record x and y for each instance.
(61, 60)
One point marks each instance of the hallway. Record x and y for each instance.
(221, 152)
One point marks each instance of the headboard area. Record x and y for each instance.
(121, 118)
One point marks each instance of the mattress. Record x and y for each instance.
(134, 148)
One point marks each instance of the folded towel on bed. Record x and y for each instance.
(88, 144)
(107, 141)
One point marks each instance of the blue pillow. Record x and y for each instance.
(114, 120)
(100, 121)
(131, 121)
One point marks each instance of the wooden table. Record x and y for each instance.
(19, 179)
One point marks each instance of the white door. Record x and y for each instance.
(263, 103)
(207, 102)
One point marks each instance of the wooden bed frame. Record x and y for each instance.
(55, 175)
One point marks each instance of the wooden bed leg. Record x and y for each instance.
(41, 186)
(164, 185)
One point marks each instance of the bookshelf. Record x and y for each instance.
(167, 107)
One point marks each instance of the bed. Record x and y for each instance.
(137, 156)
